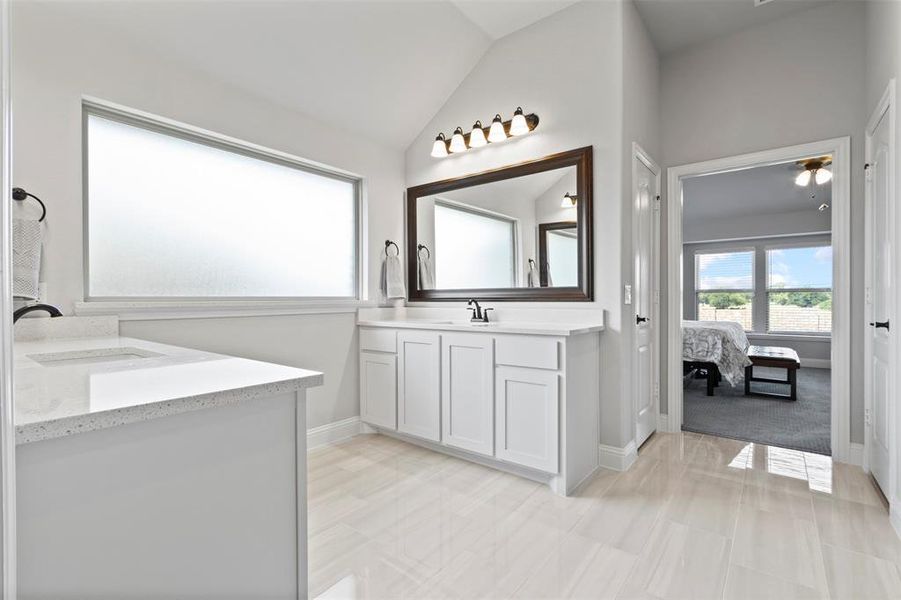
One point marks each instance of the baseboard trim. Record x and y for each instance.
(855, 454)
(334, 432)
(618, 459)
(816, 363)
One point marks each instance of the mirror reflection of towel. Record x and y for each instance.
(550, 283)
(532, 278)
(426, 279)
(27, 238)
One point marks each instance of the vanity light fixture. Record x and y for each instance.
(497, 133)
(457, 143)
(569, 200)
(439, 148)
(477, 136)
(518, 125)
(480, 135)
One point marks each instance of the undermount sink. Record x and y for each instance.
(87, 357)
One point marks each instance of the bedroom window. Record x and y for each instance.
(173, 212)
(724, 282)
(799, 289)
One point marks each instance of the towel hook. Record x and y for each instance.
(422, 247)
(20, 194)
(390, 243)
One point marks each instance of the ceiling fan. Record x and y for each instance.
(815, 169)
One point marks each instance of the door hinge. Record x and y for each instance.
(868, 172)
(656, 391)
(657, 202)
(866, 417)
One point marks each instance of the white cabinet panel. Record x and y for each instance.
(527, 423)
(419, 384)
(536, 352)
(378, 389)
(467, 391)
(378, 340)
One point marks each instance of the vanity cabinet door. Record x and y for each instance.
(526, 405)
(419, 384)
(467, 392)
(378, 389)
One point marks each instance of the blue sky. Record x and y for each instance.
(787, 267)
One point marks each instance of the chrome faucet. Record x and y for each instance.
(52, 310)
(479, 315)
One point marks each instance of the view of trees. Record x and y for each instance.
(723, 300)
(821, 300)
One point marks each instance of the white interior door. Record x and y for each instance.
(881, 297)
(644, 296)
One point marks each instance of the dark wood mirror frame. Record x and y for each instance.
(580, 158)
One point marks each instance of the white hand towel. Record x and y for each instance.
(28, 236)
(532, 279)
(426, 277)
(393, 278)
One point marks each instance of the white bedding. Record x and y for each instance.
(723, 343)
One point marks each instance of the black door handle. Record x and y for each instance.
(882, 324)
(640, 320)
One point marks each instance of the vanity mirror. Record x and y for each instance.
(516, 233)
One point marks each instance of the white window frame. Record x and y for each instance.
(766, 286)
(186, 307)
(752, 291)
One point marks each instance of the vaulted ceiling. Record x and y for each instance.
(380, 68)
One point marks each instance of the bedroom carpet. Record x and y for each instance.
(801, 425)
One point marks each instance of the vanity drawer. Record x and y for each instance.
(527, 351)
(378, 340)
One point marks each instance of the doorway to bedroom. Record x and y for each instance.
(757, 302)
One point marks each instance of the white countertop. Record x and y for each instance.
(517, 327)
(110, 381)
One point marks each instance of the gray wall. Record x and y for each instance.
(796, 80)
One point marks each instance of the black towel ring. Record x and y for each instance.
(532, 261)
(422, 247)
(20, 194)
(390, 243)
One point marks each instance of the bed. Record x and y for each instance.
(720, 343)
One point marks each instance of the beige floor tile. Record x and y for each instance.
(679, 562)
(705, 502)
(777, 468)
(846, 482)
(855, 575)
(859, 527)
(799, 506)
(723, 455)
(779, 545)
(746, 584)
(673, 447)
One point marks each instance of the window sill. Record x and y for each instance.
(210, 309)
(790, 337)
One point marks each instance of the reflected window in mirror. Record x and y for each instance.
(474, 248)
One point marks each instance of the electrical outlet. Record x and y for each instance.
(627, 294)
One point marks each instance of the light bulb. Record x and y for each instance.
(823, 176)
(803, 178)
(457, 143)
(497, 133)
(518, 125)
(568, 201)
(477, 136)
(439, 148)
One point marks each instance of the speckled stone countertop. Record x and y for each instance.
(74, 385)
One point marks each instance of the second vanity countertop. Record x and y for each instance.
(70, 386)
(516, 327)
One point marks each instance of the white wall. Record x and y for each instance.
(758, 225)
(55, 62)
(567, 69)
(799, 79)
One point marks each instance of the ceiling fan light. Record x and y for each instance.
(518, 125)
(477, 136)
(457, 143)
(823, 176)
(439, 148)
(496, 133)
(803, 178)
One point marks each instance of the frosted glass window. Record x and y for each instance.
(473, 249)
(563, 258)
(171, 217)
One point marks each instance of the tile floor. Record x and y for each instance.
(695, 517)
